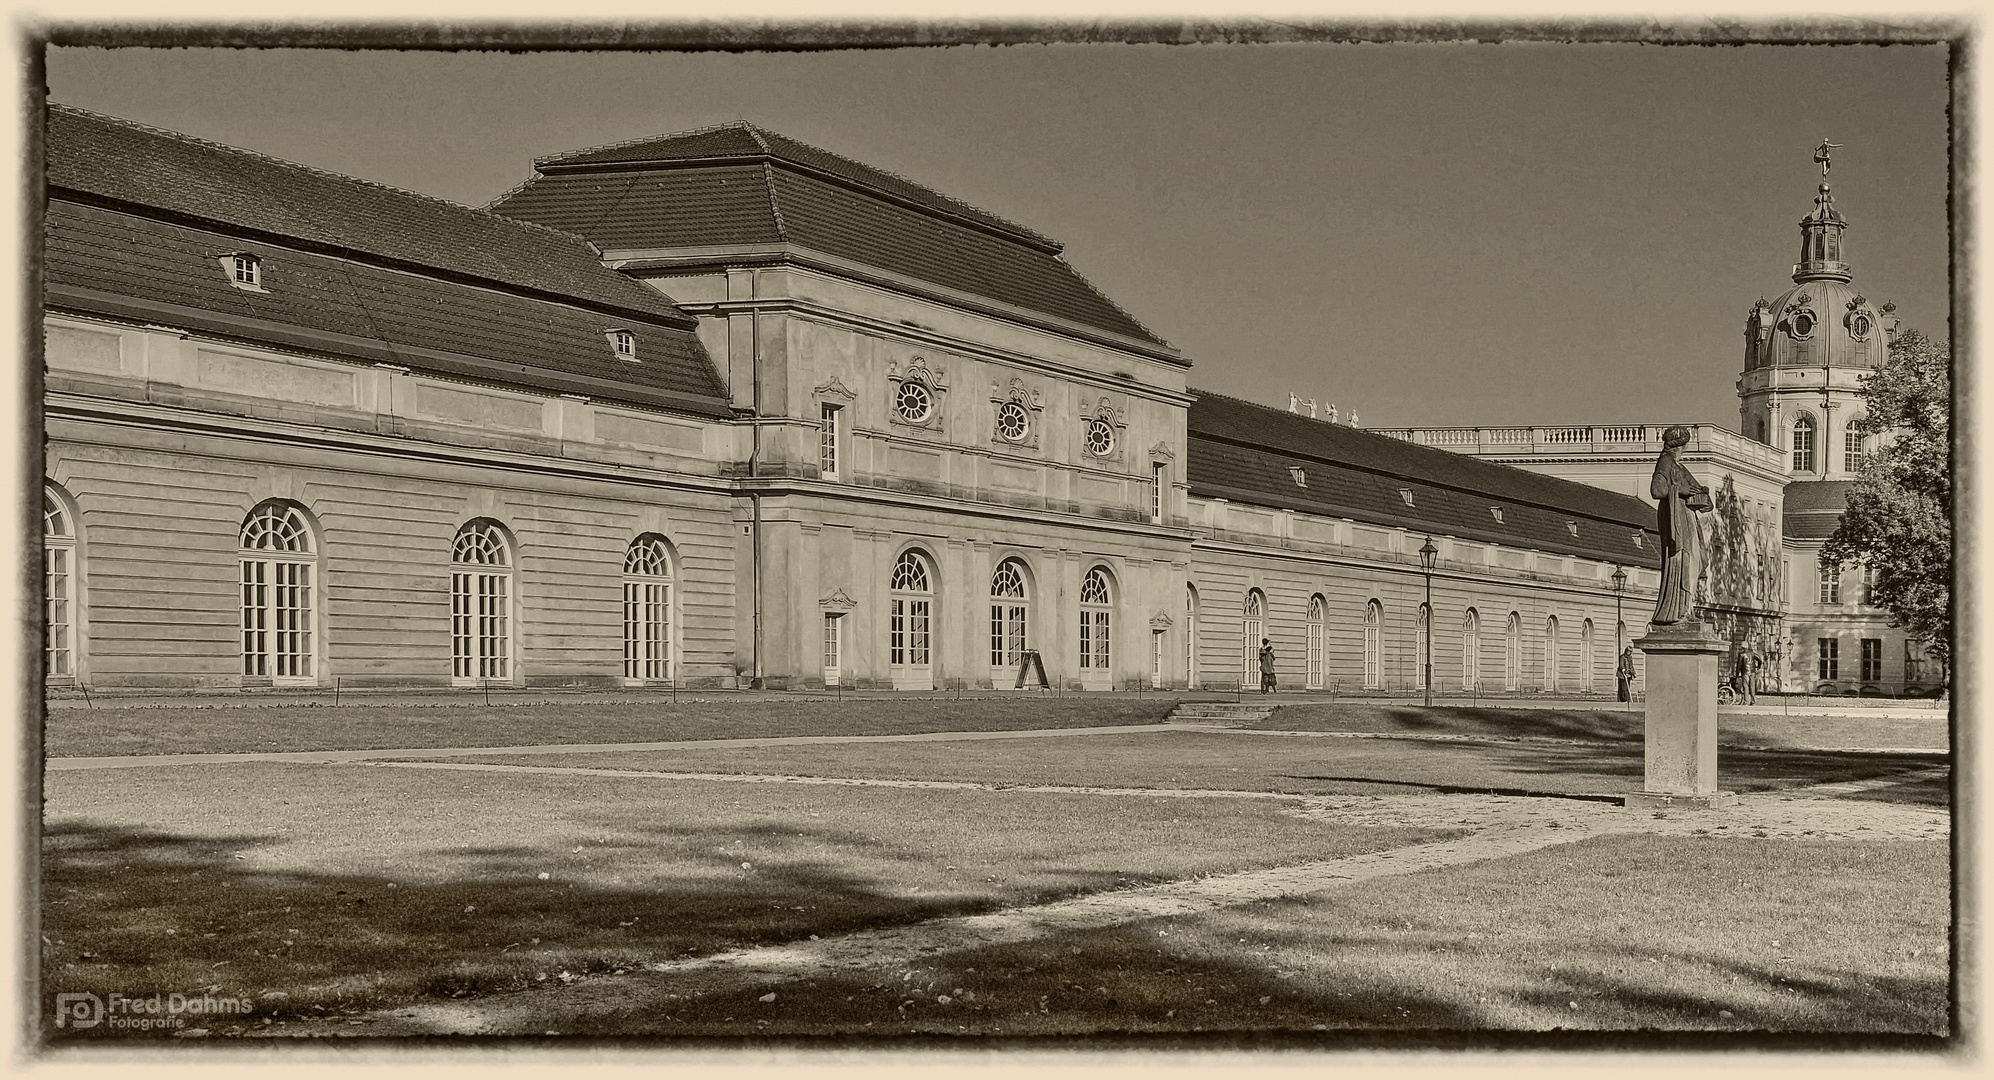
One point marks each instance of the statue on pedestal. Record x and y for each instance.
(1683, 545)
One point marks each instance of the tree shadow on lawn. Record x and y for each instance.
(1539, 769)
(137, 911)
(1322, 984)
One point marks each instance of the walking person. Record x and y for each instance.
(1266, 666)
(1624, 673)
(1748, 677)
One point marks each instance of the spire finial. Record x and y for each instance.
(1822, 153)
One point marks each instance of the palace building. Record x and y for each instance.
(723, 410)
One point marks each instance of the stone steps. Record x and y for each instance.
(1219, 713)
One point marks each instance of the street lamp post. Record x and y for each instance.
(1619, 585)
(1427, 553)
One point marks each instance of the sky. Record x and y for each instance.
(1429, 234)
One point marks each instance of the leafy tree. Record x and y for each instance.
(1899, 517)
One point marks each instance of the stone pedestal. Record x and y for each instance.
(1680, 733)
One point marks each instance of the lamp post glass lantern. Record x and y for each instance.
(1427, 554)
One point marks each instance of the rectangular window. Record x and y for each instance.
(1312, 672)
(61, 661)
(1160, 485)
(827, 442)
(1831, 585)
(1868, 585)
(1914, 661)
(1155, 661)
(292, 616)
(255, 618)
(833, 650)
(1007, 636)
(494, 638)
(1829, 651)
(1851, 452)
(1872, 659)
(647, 643)
(1086, 639)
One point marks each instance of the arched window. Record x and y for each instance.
(1587, 657)
(1095, 626)
(1253, 627)
(480, 603)
(647, 610)
(1009, 609)
(1421, 643)
(58, 587)
(1374, 645)
(1803, 444)
(279, 563)
(1315, 625)
(1471, 650)
(1190, 636)
(1551, 644)
(911, 623)
(1512, 657)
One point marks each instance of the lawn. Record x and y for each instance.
(1612, 933)
(323, 890)
(106, 732)
(1237, 762)
(1607, 726)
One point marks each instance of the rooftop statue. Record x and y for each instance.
(1681, 499)
(1821, 154)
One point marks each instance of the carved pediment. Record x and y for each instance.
(838, 600)
(1160, 621)
(835, 389)
(1163, 452)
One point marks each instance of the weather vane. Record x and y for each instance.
(1821, 153)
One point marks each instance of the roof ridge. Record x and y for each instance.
(909, 181)
(1103, 294)
(537, 162)
(775, 202)
(755, 133)
(182, 136)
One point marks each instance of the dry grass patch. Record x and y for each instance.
(329, 889)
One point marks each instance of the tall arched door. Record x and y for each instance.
(910, 623)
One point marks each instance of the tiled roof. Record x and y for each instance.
(125, 265)
(1811, 509)
(124, 163)
(1245, 452)
(718, 192)
(744, 141)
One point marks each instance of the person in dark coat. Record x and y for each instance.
(1266, 666)
(1624, 674)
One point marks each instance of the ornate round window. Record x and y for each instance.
(1100, 438)
(1801, 321)
(1859, 326)
(914, 402)
(1012, 421)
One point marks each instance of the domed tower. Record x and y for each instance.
(1805, 351)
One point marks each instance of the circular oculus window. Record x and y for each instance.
(1012, 421)
(1100, 438)
(1801, 322)
(914, 403)
(1859, 326)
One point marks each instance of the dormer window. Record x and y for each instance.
(1299, 474)
(244, 271)
(624, 342)
(1572, 527)
(1406, 494)
(1496, 512)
